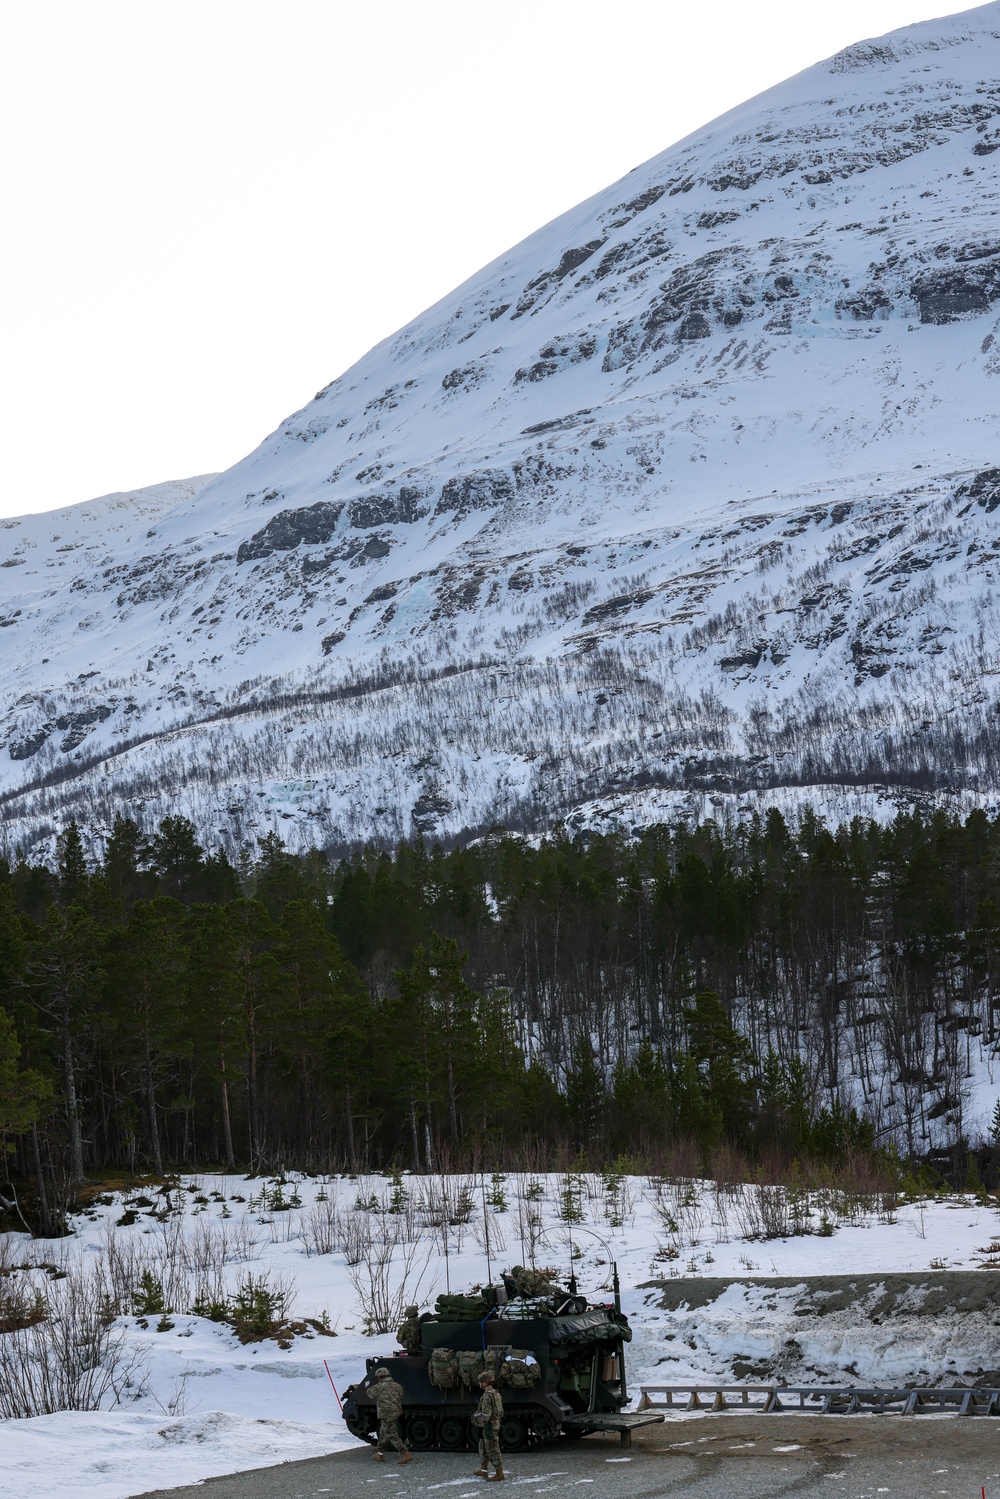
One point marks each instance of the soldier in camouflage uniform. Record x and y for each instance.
(488, 1416)
(388, 1396)
(532, 1282)
(408, 1335)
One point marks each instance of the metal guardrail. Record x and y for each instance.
(822, 1400)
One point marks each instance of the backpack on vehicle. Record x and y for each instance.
(519, 1374)
(470, 1366)
(495, 1363)
(442, 1368)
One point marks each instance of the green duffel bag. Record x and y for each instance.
(461, 1308)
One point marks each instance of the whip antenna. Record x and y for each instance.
(486, 1230)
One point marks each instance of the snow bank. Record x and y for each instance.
(107, 1454)
(209, 1404)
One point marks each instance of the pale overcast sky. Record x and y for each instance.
(213, 207)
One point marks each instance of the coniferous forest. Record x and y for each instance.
(763, 993)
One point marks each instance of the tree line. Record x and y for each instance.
(784, 991)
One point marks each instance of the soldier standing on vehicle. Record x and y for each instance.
(408, 1336)
(488, 1416)
(388, 1396)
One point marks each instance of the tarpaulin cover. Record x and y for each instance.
(588, 1327)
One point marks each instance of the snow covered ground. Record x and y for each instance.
(203, 1403)
(690, 497)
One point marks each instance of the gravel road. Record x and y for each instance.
(701, 1457)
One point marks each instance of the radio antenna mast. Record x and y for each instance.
(486, 1230)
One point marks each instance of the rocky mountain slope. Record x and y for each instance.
(693, 494)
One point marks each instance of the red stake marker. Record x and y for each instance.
(329, 1376)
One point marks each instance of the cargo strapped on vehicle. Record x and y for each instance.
(588, 1327)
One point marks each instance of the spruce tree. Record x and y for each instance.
(63, 975)
(22, 1090)
(72, 866)
(126, 856)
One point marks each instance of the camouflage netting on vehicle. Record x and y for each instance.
(443, 1368)
(457, 1308)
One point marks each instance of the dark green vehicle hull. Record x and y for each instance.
(581, 1363)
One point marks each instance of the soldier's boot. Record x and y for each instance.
(379, 1457)
(498, 1476)
(482, 1472)
(406, 1457)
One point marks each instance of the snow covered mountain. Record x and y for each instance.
(693, 494)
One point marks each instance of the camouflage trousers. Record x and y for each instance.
(489, 1447)
(388, 1436)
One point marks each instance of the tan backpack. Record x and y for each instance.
(470, 1366)
(442, 1368)
(518, 1373)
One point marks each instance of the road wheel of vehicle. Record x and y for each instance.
(514, 1434)
(544, 1428)
(420, 1432)
(451, 1432)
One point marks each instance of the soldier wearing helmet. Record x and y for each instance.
(408, 1336)
(488, 1416)
(388, 1397)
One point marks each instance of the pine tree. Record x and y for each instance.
(22, 1091)
(438, 1009)
(320, 1020)
(585, 1095)
(72, 865)
(126, 855)
(148, 970)
(177, 859)
(259, 984)
(63, 974)
(213, 1003)
(724, 1060)
(277, 878)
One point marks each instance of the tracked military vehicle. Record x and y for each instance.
(558, 1361)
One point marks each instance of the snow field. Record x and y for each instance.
(351, 1251)
(673, 495)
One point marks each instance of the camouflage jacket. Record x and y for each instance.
(532, 1283)
(388, 1396)
(489, 1411)
(408, 1336)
